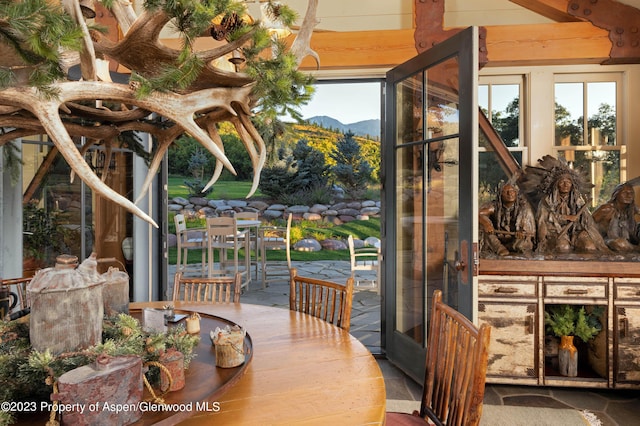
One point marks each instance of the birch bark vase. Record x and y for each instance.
(568, 357)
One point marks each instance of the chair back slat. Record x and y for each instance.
(247, 215)
(20, 285)
(219, 289)
(457, 355)
(221, 229)
(329, 301)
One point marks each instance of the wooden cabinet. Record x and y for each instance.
(513, 296)
(626, 329)
(510, 305)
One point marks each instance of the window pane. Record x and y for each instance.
(409, 104)
(601, 107)
(569, 113)
(483, 98)
(410, 237)
(442, 103)
(505, 112)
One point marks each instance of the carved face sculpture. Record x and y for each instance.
(564, 184)
(626, 195)
(509, 194)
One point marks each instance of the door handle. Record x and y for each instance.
(462, 260)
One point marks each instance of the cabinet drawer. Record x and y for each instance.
(591, 287)
(507, 286)
(627, 289)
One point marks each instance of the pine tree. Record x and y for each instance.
(352, 171)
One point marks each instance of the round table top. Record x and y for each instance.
(303, 370)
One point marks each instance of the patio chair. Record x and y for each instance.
(275, 238)
(253, 236)
(188, 239)
(327, 300)
(364, 259)
(223, 235)
(456, 368)
(221, 289)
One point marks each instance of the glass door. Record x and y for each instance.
(431, 163)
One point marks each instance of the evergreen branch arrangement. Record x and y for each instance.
(573, 320)
(26, 373)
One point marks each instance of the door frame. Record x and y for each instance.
(401, 350)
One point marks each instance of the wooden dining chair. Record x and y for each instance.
(186, 240)
(220, 289)
(327, 300)
(457, 354)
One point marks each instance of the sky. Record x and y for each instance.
(353, 102)
(346, 102)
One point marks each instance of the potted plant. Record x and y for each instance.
(567, 321)
(43, 238)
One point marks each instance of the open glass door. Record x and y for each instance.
(430, 180)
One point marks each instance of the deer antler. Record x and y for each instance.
(301, 46)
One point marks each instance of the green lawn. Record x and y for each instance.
(228, 189)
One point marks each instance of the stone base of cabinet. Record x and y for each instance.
(512, 296)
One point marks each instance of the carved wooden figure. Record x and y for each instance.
(508, 222)
(616, 219)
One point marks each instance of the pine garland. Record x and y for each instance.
(26, 373)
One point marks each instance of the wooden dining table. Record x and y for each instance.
(302, 371)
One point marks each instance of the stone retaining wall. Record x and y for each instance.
(338, 213)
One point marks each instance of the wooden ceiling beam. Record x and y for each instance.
(620, 20)
(555, 10)
(361, 49)
(507, 45)
(567, 42)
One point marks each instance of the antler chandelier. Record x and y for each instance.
(170, 91)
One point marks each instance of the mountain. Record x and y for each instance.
(361, 128)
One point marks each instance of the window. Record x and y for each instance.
(586, 128)
(500, 99)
